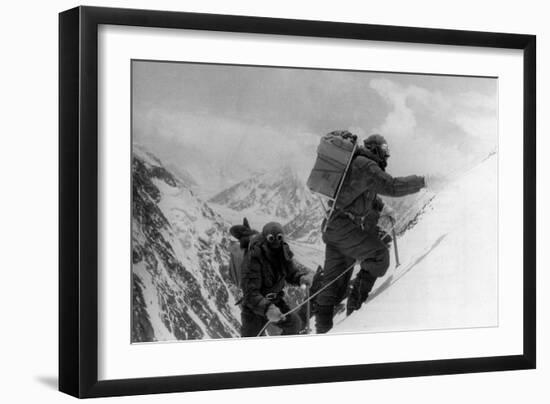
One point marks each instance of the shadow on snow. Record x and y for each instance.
(391, 279)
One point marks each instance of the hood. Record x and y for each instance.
(363, 151)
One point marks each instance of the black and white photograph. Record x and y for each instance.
(274, 201)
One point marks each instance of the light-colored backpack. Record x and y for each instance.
(334, 155)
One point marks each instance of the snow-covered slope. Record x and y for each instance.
(448, 272)
(183, 176)
(305, 227)
(276, 195)
(181, 287)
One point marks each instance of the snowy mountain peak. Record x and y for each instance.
(142, 154)
(279, 194)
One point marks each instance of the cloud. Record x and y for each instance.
(223, 123)
(214, 147)
(433, 132)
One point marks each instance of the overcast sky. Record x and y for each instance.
(221, 122)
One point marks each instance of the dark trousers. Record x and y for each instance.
(346, 243)
(252, 323)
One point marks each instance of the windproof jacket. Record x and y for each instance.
(264, 272)
(363, 183)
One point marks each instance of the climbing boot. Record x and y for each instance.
(323, 318)
(359, 291)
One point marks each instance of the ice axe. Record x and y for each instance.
(394, 236)
(308, 307)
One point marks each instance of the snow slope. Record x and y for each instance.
(448, 272)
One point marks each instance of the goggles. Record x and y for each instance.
(272, 237)
(385, 149)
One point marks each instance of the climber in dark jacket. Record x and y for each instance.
(267, 269)
(352, 234)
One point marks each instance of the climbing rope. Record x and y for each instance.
(395, 224)
(307, 300)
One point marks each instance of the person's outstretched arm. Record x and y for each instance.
(366, 175)
(387, 185)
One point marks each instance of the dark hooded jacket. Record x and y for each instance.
(266, 271)
(366, 180)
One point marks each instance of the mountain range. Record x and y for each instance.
(279, 194)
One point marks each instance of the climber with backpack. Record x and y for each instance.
(266, 269)
(237, 249)
(352, 176)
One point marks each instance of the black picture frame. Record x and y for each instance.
(78, 200)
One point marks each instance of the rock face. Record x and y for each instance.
(180, 280)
